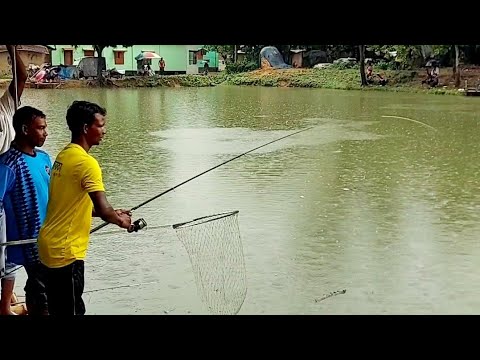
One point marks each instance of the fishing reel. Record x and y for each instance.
(137, 225)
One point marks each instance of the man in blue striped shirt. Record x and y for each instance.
(24, 181)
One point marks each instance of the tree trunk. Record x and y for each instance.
(456, 69)
(99, 49)
(454, 66)
(361, 49)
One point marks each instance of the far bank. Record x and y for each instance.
(347, 79)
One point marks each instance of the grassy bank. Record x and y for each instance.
(138, 81)
(349, 79)
(170, 81)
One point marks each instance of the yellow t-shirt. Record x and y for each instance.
(65, 233)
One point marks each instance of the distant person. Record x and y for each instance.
(161, 65)
(149, 70)
(205, 67)
(371, 76)
(433, 73)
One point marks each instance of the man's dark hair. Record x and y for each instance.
(24, 116)
(82, 113)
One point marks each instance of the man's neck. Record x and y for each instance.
(82, 142)
(23, 146)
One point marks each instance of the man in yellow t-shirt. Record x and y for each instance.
(76, 193)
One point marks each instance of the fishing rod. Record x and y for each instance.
(140, 223)
(202, 173)
(15, 76)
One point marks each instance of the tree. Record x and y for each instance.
(453, 53)
(223, 50)
(361, 49)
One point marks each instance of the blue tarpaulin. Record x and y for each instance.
(68, 72)
(273, 56)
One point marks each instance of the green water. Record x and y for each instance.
(383, 207)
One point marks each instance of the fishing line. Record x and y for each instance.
(202, 173)
(101, 289)
(405, 118)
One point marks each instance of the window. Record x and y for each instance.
(119, 57)
(192, 58)
(88, 52)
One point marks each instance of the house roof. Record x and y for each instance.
(41, 49)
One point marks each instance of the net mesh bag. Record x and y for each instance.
(214, 246)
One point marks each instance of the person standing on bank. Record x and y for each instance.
(161, 65)
(24, 180)
(8, 105)
(76, 194)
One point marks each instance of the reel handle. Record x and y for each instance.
(137, 225)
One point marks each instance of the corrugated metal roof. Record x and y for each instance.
(41, 49)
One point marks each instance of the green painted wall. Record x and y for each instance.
(212, 57)
(175, 56)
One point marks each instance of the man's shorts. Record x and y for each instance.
(11, 270)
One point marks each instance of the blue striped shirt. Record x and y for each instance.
(24, 181)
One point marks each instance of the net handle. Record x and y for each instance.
(214, 217)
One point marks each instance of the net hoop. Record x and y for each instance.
(204, 219)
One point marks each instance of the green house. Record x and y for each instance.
(179, 59)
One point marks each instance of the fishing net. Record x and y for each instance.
(214, 246)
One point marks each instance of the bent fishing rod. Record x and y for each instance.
(196, 176)
(140, 223)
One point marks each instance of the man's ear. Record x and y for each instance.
(24, 129)
(85, 128)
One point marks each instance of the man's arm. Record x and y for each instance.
(7, 179)
(104, 210)
(21, 72)
(118, 211)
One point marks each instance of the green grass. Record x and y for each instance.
(348, 79)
